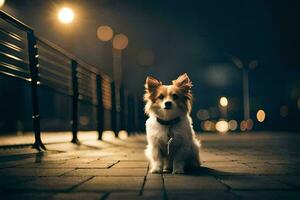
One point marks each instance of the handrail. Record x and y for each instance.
(39, 70)
(10, 19)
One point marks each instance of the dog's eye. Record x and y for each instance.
(175, 96)
(161, 96)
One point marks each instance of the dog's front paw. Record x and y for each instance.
(156, 170)
(178, 171)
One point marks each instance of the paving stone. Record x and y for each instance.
(69, 165)
(203, 195)
(153, 184)
(26, 195)
(16, 163)
(134, 196)
(108, 172)
(32, 172)
(180, 183)
(254, 167)
(290, 180)
(47, 184)
(252, 182)
(133, 164)
(7, 180)
(268, 195)
(107, 184)
(78, 196)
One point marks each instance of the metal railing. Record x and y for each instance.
(39, 62)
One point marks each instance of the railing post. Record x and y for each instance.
(74, 103)
(34, 73)
(113, 109)
(100, 110)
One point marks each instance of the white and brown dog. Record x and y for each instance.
(172, 145)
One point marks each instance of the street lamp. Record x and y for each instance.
(223, 102)
(251, 65)
(66, 15)
(2, 2)
(119, 42)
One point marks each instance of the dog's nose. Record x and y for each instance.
(168, 105)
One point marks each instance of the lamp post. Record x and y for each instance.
(119, 43)
(66, 15)
(245, 69)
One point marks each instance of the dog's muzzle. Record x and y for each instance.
(168, 105)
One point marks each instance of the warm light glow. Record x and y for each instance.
(232, 125)
(246, 125)
(84, 120)
(123, 135)
(208, 125)
(261, 115)
(2, 2)
(298, 103)
(222, 126)
(104, 33)
(223, 101)
(108, 135)
(120, 42)
(249, 124)
(284, 111)
(66, 15)
(243, 125)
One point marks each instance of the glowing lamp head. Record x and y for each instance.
(66, 15)
(105, 33)
(223, 101)
(261, 115)
(120, 42)
(222, 126)
(2, 2)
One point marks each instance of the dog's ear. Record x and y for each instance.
(183, 82)
(151, 84)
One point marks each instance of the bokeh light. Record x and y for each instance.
(249, 124)
(120, 41)
(203, 114)
(104, 33)
(232, 125)
(243, 125)
(223, 101)
(284, 111)
(84, 120)
(261, 115)
(108, 135)
(66, 15)
(208, 125)
(2, 2)
(123, 135)
(222, 126)
(246, 125)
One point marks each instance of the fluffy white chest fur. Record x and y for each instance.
(172, 147)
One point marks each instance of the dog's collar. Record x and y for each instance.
(168, 122)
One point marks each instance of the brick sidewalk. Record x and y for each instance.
(249, 166)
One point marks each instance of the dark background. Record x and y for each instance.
(197, 37)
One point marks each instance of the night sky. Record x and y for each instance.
(197, 37)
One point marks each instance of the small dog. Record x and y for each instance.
(172, 145)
